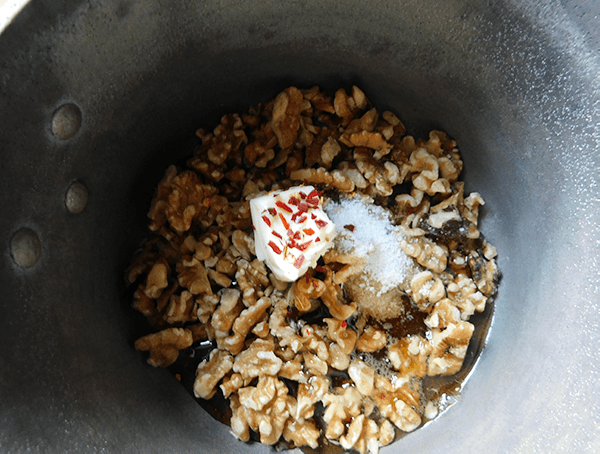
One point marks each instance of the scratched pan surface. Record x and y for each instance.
(516, 83)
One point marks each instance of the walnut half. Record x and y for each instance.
(164, 346)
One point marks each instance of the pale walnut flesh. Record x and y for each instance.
(257, 360)
(371, 340)
(164, 346)
(449, 348)
(157, 279)
(210, 372)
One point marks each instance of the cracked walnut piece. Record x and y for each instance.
(164, 346)
(280, 353)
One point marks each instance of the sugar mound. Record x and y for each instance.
(367, 230)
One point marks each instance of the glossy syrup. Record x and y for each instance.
(445, 390)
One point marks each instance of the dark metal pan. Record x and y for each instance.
(97, 97)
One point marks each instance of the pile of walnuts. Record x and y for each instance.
(197, 278)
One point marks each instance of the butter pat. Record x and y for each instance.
(291, 231)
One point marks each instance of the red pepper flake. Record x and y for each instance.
(284, 206)
(349, 227)
(320, 223)
(307, 278)
(313, 216)
(303, 207)
(274, 247)
(295, 215)
(267, 220)
(302, 195)
(293, 200)
(297, 236)
(277, 234)
(315, 284)
(299, 261)
(272, 211)
(304, 246)
(286, 225)
(320, 269)
(314, 193)
(302, 220)
(382, 396)
(344, 324)
(318, 239)
(309, 231)
(307, 331)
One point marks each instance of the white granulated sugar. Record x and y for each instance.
(366, 229)
(425, 290)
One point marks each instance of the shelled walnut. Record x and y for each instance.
(164, 346)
